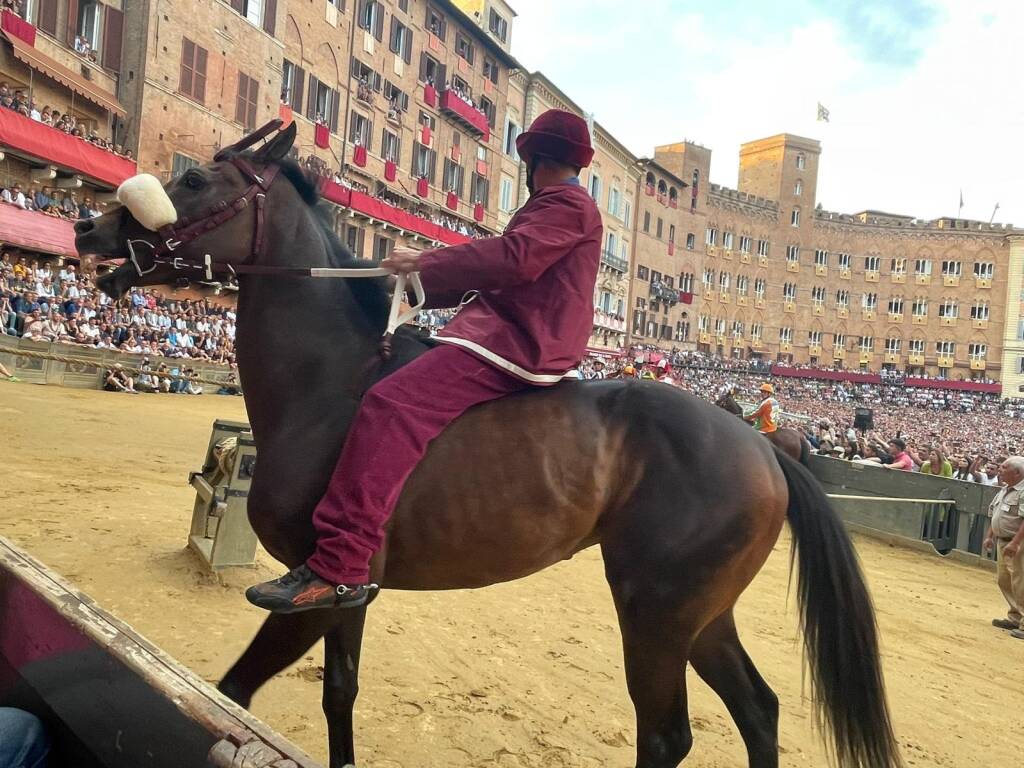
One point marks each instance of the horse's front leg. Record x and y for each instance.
(341, 683)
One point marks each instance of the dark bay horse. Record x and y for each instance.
(513, 486)
(788, 440)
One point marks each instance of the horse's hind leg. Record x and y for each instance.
(720, 659)
(280, 642)
(655, 642)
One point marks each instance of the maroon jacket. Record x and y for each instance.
(534, 308)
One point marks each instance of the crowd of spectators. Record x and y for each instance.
(44, 302)
(23, 103)
(59, 203)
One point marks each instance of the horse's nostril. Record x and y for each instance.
(84, 225)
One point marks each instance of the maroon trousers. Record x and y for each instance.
(397, 419)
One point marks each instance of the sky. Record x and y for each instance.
(925, 97)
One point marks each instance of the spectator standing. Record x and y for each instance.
(1006, 533)
(900, 458)
(937, 464)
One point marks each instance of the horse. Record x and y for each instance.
(512, 486)
(788, 440)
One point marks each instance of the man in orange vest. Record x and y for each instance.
(766, 418)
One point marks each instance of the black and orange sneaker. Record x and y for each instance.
(302, 590)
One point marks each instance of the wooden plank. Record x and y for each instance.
(122, 698)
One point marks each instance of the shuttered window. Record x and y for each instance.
(401, 40)
(245, 103)
(371, 17)
(113, 31)
(193, 70)
(47, 19)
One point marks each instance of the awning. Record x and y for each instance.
(36, 231)
(377, 209)
(23, 134)
(53, 68)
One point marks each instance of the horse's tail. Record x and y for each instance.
(838, 622)
(805, 451)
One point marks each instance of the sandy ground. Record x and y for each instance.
(94, 484)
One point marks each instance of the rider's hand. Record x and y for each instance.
(402, 261)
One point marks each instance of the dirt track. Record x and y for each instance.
(93, 484)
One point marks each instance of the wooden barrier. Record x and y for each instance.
(951, 515)
(89, 365)
(108, 697)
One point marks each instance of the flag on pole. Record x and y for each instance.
(961, 202)
(822, 113)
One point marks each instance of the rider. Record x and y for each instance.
(527, 323)
(766, 417)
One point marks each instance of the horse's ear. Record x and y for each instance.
(277, 148)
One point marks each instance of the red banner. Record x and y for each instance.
(36, 231)
(13, 24)
(390, 170)
(874, 378)
(478, 212)
(430, 95)
(62, 149)
(359, 156)
(686, 297)
(322, 136)
(425, 136)
(422, 187)
(453, 201)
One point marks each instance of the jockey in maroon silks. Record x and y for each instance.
(527, 325)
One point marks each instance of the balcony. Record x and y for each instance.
(950, 281)
(871, 276)
(762, 261)
(741, 301)
(845, 273)
(839, 354)
(814, 350)
(919, 320)
(465, 114)
(727, 254)
(704, 337)
(900, 278)
(983, 282)
(818, 309)
(609, 321)
(979, 324)
(892, 357)
(867, 314)
(711, 250)
(378, 210)
(37, 231)
(978, 364)
(820, 270)
(866, 357)
(759, 302)
(945, 362)
(922, 279)
(43, 144)
(895, 317)
(744, 257)
(785, 346)
(915, 358)
(843, 312)
(723, 297)
(789, 307)
(661, 292)
(947, 322)
(609, 259)
(793, 266)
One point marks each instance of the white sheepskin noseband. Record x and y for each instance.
(144, 196)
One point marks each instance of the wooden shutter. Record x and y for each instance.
(407, 47)
(199, 83)
(369, 135)
(423, 67)
(48, 16)
(188, 56)
(240, 98)
(298, 83)
(335, 104)
(72, 26)
(239, 5)
(311, 97)
(394, 30)
(442, 77)
(254, 97)
(270, 16)
(362, 13)
(113, 31)
(378, 32)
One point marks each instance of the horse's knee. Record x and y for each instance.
(666, 749)
(341, 689)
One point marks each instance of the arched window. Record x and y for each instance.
(673, 197)
(650, 184)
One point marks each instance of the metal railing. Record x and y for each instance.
(609, 259)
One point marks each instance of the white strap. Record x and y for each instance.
(396, 317)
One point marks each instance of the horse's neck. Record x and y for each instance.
(302, 344)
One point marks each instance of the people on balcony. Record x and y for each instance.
(14, 196)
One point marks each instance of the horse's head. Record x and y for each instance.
(201, 223)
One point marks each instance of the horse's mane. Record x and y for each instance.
(371, 293)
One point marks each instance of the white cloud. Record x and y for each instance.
(902, 138)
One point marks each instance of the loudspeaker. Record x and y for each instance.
(863, 419)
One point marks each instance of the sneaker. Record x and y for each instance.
(1005, 624)
(1017, 634)
(302, 590)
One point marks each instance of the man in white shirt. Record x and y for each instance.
(14, 196)
(1006, 533)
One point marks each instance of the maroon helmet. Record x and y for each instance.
(560, 135)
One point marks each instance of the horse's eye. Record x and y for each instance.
(193, 180)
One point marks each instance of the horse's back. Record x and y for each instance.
(523, 482)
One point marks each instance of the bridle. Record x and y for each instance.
(184, 231)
